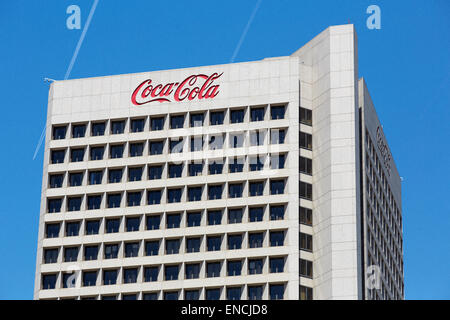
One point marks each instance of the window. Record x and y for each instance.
(153, 222)
(305, 216)
(157, 123)
(191, 294)
(135, 174)
(255, 292)
(54, 205)
(255, 266)
(212, 294)
(174, 195)
(195, 169)
(56, 180)
(97, 153)
(235, 190)
(136, 149)
(95, 177)
(76, 155)
(216, 167)
(116, 151)
(171, 272)
(256, 188)
(196, 144)
(176, 122)
(59, 132)
(52, 230)
(234, 242)
(130, 275)
(216, 141)
(192, 245)
(236, 140)
(117, 127)
(98, 128)
(256, 214)
(234, 215)
(48, 281)
(197, 119)
(90, 253)
(305, 190)
(94, 202)
(214, 243)
(237, 116)
(92, 227)
(256, 163)
(131, 249)
(257, 137)
(192, 270)
(257, 114)
(234, 268)
(234, 293)
(156, 147)
(277, 161)
(154, 197)
(134, 199)
(214, 192)
(306, 268)
(74, 204)
(115, 175)
(176, 145)
(72, 229)
(195, 193)
(277, 186)
(133, 224)
(150, 296)
(276, 291)
(277, 112)
(173, 220)
(109, 277)
(305, 165)
(236, 165)
(175, 170)
(155, 172)
(276, 238)
(306, 293)
(111, 251)
(276, 265)
(216, 118)
(172, 295)
(212, 269)
(305, 116)
(112, 225)
(255, 240)
(194, 219)
(137, 125)
(129, 296)
(306, 242)
(152, 248)
(151, 274)
(277, 136)
(214, 217)
(50, 255)
(71, 254)
(58, 156)
(75, 179)
(114, 200)
(173, 246)
(78, 130)
(305, 140)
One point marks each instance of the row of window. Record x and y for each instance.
(176, 121)
(173, 195)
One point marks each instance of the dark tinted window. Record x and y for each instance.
(216, 117)
(172, 246)
(59, 132)
(306, 242)
(115, 175)
(176, 122)
(305, 216)
(276, 291)
(214, 243)
(256, 214)
(94, 202)
(234, 293)
(137, 125)
(192, 245)
(173, 221)
(156, 147)
(213, 269)
(135, 174)
(257, 114)
(90, 253)
(151, 274)
(74, 204)
(256, 163)
(276, 265)
(117, 127)
(176, 145)
(255, 292)
(76, 155)
(306, 268)
(154, 197)
(111, 251)
(305, 141)
(237, 116)
(236, 165)
(98, 129)
(56, 180)
(305, 165)
(133, 224)
(235, 242)
(255, 266)
(72, 229)
(235, 215)
(97, 153)
(57, 156)
(109, 277)
(114, 200)
(235, 190)
(194, 219)
(175, 170)
(157, 123)
(152, 248)
(256, 188)
(215, 192)
(134, 199)
(234, 268)
(71, 254)
(276, 212)
(136, 149)
(277, 112)
(197, 120)
(78, 130)
(95, 177)
(195, 169)
(195, 193)
(212, 294)
(306, 116)
(192, 270)
(130, 275)
(191, 295)
(153, 222)
(131, 249)
(54, 205)
(305, 190)
(255, 240)
(112, 225)
(48, 281)
(277, 186)
(52, 230)
(50, 255)
(92, 226)
(276, 238)
(215, 167)
(155, 172)
(171, 272)
(116, 151)
(214, 217)
(76, 179)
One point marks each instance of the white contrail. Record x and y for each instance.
(72, 62)
(238, 47)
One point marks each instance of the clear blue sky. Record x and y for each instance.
(406, 65)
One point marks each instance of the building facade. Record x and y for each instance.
(269, 179)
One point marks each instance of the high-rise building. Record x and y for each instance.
(269, 179)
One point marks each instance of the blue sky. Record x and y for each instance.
(406, 65)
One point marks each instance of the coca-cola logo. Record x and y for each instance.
(198, 86)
